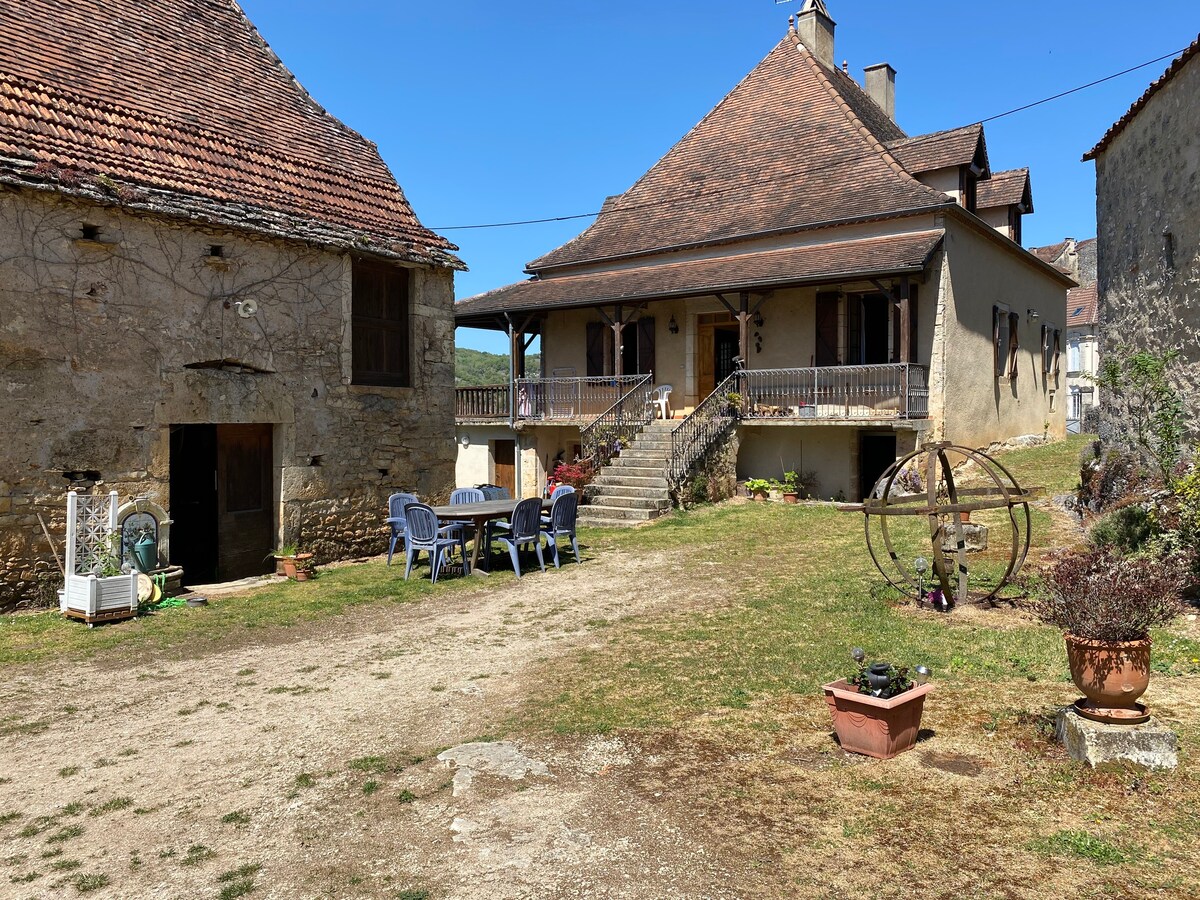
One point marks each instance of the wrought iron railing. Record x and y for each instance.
(485, 401)
(707, 423)
(544, 399)
(899, 390)
(618, 425)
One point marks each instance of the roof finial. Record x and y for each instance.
(846, 66)
(791, 23)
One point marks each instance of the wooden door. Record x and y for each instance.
(705, 362)
(245, 501)
(504, 460)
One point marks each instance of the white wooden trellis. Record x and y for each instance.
(92, 541)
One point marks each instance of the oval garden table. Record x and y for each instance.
(479, 514)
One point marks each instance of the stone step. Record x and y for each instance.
(596, 510)
(659, 503)
(611, 477)
(649, 444)
(601, 522)
(638, 471)
(639, 452)
(625, 490)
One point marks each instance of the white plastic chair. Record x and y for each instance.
(661, 400)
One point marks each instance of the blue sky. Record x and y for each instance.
(503, 111)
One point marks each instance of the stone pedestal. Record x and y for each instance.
(975, 538)
(1150, 744)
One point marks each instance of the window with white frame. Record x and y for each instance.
(1074, 362)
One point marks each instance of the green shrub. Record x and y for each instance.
(1127, 529)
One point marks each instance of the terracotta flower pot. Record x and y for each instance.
(874, 727)
(1112, 674)
(289, 565)
(760, 495)
(791, 497)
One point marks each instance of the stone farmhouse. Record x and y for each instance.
(857, 289)
(1078, 259)
(213, 294)
(1148, 225)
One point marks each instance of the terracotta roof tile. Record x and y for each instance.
(1009, 188)
(798, 265)
(1083, 305)
(1050, 252)
(1119, 126)
(941, 149)
(186, 98)
(795, 144)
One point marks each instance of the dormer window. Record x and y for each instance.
(969, 182)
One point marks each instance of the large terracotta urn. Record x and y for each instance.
(1111, 674)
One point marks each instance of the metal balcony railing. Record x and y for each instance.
(545, 399)
(899, 390)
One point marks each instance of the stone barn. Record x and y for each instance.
(213, 295)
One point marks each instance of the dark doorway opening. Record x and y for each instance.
(222, 501)
(867, 330)
(725, 351)
(875, 453)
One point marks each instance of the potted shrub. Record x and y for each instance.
(758, 487)
(733, 403)
(304, 567)
(285, 560)
(1105, 605)
(791, 487)
(877, 710)
(776, 490)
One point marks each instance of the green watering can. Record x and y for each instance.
(145, 554)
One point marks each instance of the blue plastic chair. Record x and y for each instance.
(563, 514)
(525, 528)
(422, 533)
(457, 497)
(554, 495)
(396, 504)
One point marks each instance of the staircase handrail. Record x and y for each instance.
(706, 424)
(618, 425)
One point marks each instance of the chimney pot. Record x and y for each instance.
(880, 82)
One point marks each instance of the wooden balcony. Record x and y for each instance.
(896, 391)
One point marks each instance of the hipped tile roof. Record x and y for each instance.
(182, 106)
(1008, 188)
(795, 144)
(1083, 305)
(827, 263)
(941, 149)
(1172, 70)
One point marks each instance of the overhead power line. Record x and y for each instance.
(805, 171)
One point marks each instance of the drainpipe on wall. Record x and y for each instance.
(512, 406)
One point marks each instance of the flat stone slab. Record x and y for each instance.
(1150, 744)
(500, 758)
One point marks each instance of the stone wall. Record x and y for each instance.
(97, 335)
(1148, 219)
(714, 477)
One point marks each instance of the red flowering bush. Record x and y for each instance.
(578, 475)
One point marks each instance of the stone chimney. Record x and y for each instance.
(881, 87)
(815, 29)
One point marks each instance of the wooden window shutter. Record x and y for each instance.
(645, 339)
(379, 324)
(1057, 351)
(854, 341)
(912, 323)
(827, 328)
(1014, 343)
(998, 353)
(595, 349)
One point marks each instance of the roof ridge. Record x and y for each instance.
(931, 135)
(858, 123)
(619, 199)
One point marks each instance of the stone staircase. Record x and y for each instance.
(633, 487)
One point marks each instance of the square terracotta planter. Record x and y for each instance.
(874, 727)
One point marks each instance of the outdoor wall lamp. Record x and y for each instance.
(758, 320)
(1031, 314)
(673, 326)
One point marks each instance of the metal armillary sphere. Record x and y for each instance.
(923, 484)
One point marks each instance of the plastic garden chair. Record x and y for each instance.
(422, 533)
(562, 524)
(660, 400)
(525, 528)
(457, 497)
(493, 492)
(396, 504)
(554, 495)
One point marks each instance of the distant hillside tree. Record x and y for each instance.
(473, 367)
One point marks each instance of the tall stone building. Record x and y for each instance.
(212, 294)
(1078, 260)
(1148, 223)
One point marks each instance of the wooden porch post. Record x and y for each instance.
(905, 338)
(743, 317)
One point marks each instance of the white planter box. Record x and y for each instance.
(100, 599)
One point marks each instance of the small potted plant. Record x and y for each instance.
(791, 487)
(775, 492)
(876, 710)
(733, 403)
(1105, 605)
(758, 487)
(305, 569)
